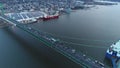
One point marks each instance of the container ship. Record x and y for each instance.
(113, 53)
(49, 17)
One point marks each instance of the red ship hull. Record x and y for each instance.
(50, 17)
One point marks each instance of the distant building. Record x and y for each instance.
(88, 0)
(114, 0)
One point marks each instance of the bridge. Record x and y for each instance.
(56, 44)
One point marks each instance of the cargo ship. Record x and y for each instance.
(113, 53)
(49, 17)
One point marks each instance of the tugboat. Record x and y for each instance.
(113, 53)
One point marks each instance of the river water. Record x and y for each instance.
(95, 28)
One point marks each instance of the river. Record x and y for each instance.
(95, 28)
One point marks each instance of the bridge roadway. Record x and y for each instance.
(57, 45)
